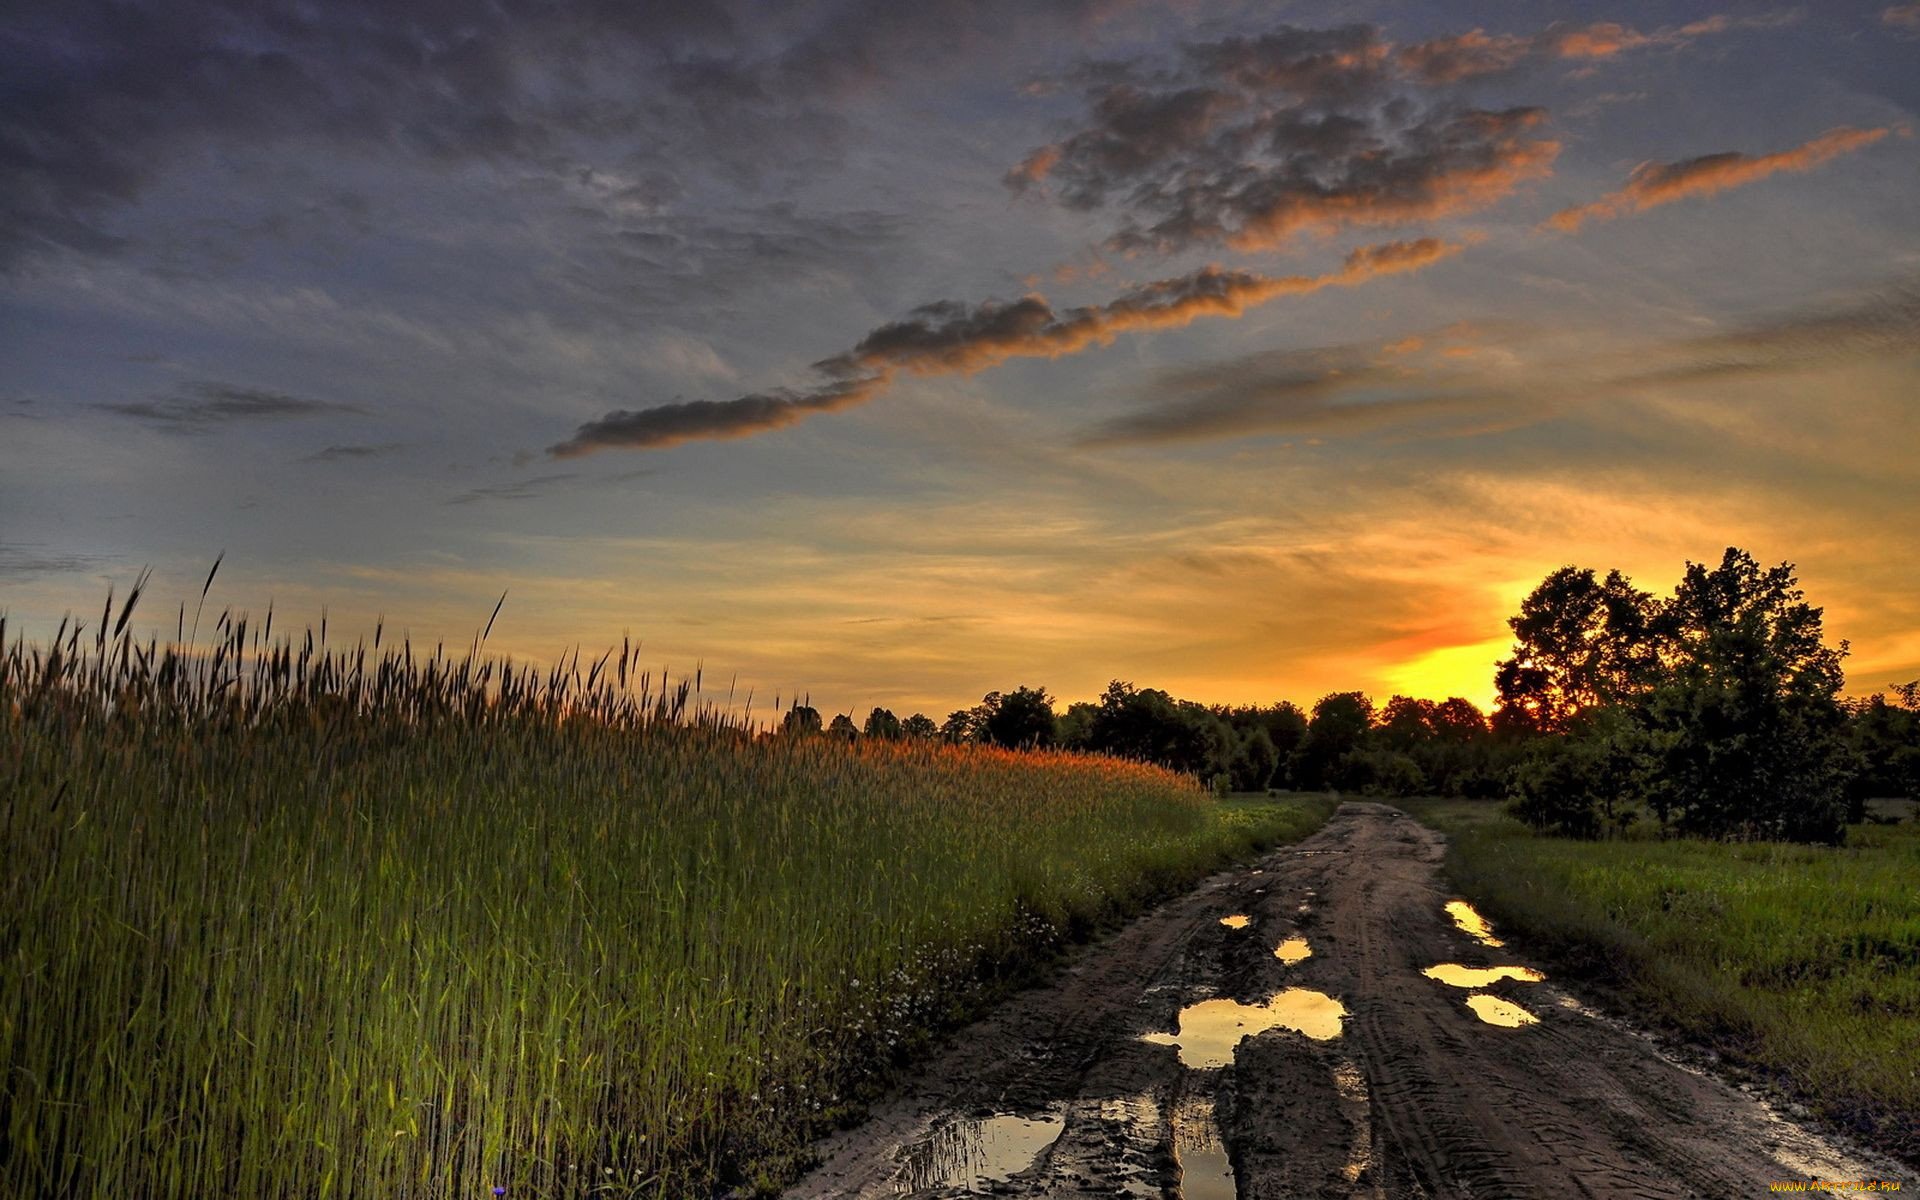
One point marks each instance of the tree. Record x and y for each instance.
(1073, 729)
(1747, 717)
(1254, 762)
(959, 727)
(801, 719)
(1339, 727)
(1151, 726)
(1578, 642)
(919, 725)
(1884, 736)
(881, 723)
(1019, 720)
(842, 727)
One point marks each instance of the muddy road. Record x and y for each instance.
(1316, 1024)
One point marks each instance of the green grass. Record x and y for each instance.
(1800, 962)
(281, 920)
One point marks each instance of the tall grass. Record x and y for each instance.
(1800, 961)
(288, 919)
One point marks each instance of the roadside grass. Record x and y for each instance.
(282, 919)
(1801, 963)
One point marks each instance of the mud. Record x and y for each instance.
(1412, 1095)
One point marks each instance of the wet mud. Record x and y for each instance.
(1363, 1033)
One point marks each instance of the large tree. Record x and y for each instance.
(1579, 642)
(1719, 707)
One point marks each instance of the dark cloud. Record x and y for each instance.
(103, 97)
(949, 337)
(1436, 385)
(201, 406)
(1250, 142)
(352, 453)
(1654, 184)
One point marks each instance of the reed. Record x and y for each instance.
(289, 918)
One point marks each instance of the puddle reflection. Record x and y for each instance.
(1293, 950)
(1236, 921)
(1206, 1173)
(1207, 1032)
(1495, 1011)
(969, 1152)
(1472, 923)
(1479, 977)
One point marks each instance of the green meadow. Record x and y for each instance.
(282, 919)
(1800, 962)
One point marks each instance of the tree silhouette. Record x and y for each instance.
(801, 719)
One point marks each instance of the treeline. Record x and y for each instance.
(1346, 743)
(1714, 712)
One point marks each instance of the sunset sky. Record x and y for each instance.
(890, 353)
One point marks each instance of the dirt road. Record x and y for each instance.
(1363, 1076)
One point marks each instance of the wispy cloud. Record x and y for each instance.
(1477, 52)
(1448, 384)
(26, 559)
(955, 338)
(1654, 184)
(351, 453)
(519, 489)
(206, 405)
(1906, 15)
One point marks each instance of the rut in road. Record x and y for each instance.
(1188, 1056)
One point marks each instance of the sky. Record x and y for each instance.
(888, 354)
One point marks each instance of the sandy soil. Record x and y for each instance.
(1059, 1092)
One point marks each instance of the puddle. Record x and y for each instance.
(1351, 1086)
(1207, 1032)
(1293, 950)
(1478, 977)
(969, 1152)
(1205, 1171)
(1495, 1011)
(1472, 923)
(1237, 921)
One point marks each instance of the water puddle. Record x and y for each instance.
(1207, 1032)
(1505, 1013)
(1351, 1086)
(1456, 975)
(1237, 921)
(970, 1152)
(1206, 1173)
(1472, 923)
(1293, 950)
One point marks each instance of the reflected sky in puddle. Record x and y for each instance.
(1495, 1011)
(1206, 1173)
(968, 1152)
(1237, 921)
(1292, 950)
(1472, 923)
(1479, 977)
(1207, 1032)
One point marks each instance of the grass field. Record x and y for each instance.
(1801, 962)
(283, 920)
